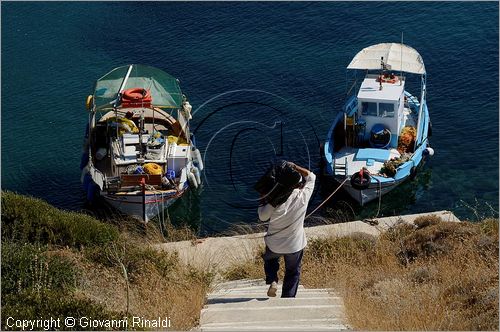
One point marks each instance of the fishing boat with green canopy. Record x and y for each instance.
(164, 88)
(139, 154)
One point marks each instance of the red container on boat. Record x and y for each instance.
(136, 97)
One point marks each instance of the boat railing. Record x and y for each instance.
(352, 87)
(340, 167)
(420, 120)
(350, 105)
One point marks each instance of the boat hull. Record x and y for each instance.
(373, 192)
(132, 204)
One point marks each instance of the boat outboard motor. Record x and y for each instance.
(380, 136)
(277, 184)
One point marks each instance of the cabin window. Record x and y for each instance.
(369, 108)
(386, 110)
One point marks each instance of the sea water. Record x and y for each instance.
(265, 81)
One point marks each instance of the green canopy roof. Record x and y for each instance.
(165, 90)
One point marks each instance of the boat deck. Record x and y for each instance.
(356, 158)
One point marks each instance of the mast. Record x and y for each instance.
(122, 86)
(118, 95)
(420, 112)
(401, 79)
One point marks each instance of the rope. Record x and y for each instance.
(373, 221)
(326, 200)
(307, 216)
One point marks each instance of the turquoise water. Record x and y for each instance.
(287, 61)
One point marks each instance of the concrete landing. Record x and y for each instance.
(243, 305)
(222, 252)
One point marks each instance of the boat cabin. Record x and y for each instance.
(380, 107)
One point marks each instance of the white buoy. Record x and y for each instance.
(429, 151)
(196, 172)
(197, 158)
(192, 180)
(183, 179)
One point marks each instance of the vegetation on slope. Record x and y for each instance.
(433, 275)
(58, 264)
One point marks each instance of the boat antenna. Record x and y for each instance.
(382, 66)
(401, 80)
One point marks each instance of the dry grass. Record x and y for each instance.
(158, 284)
(432, 276)
(74, 271)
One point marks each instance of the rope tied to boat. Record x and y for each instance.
(326, 200)
(307, 216)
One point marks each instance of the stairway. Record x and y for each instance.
(243, 305)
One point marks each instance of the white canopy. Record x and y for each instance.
(369, 58)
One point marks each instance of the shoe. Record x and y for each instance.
(273, 288)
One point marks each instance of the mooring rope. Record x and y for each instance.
(307, 216)
(326, 200)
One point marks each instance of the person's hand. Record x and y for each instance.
(292, 165)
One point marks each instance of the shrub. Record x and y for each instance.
(28, 267)
(26, 306)
(28, 219)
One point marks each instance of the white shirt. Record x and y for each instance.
(285, 234)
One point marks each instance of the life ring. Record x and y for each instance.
(380, 136)
(89, 102)
(361, 180)
(136, 97)
(125, 125)
(153, 169)
(136, 94)
(388, 78)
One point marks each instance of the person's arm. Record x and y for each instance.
(265, 212)
(303, 171)
(310, 178)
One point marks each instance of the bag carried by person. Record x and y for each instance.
(277, 184)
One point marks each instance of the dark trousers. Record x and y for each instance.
(292, 270)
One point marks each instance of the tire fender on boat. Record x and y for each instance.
(361, 180)
(192, 180)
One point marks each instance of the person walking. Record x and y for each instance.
(285, 235)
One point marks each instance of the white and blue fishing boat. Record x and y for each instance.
(380, 137)
(139, 154)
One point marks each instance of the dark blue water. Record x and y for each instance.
(265, 79)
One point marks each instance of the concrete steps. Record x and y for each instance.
(244, 306)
